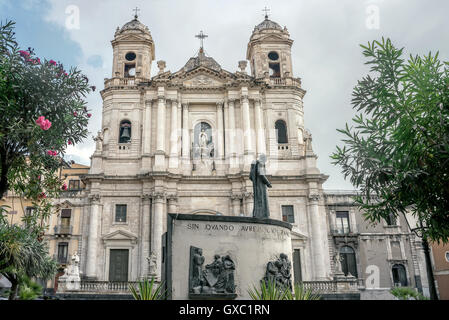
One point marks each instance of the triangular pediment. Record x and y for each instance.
(273, 38)
(131, 37)
(202, 80)
(120, 235)
(296, 235)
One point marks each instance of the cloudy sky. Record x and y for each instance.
(326, 52)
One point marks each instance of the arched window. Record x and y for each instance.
(399, 275)
(125, 131)
(348, 262)
(281, 129)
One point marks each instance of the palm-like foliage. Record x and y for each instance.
(405, 293)
(302, 293)
(148, 290)
(272, 291)
(22, 254)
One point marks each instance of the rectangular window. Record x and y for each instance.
(391, 220)
(62, 252)
(288, 214)
(120, 213)
(342, 222)
(29, 211)
(74, 185)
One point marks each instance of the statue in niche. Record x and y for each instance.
(216, 278)
(152, 264)
(260, 184)
(279, 272)
(203, 147)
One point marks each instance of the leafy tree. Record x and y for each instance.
(43, 110)
(397, 151)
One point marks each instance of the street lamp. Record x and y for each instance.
(419, 232)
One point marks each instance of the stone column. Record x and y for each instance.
(226, 130)
(220, 132)
(231, 135)
(317, 238)
(246, 132)
(260, 132)
(235, 198)
(145, 235)
(249, 204)
(161, 124)
(92, 242)
(172, 203)
(185, 134)
(173, 162)
(160, 135)
(147, 129)
(146, 137)
(157, 229)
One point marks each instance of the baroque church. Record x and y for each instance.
(183, 143)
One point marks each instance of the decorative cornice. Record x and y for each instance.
(314, 197)
(236, 196)
(94, 197)
(158, 195)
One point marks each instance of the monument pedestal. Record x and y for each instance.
(220, 257)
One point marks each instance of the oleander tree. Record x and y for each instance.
(396, 151)
(42, 111)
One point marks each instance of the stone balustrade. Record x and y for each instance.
(105, 286)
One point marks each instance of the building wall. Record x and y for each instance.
(440, 253)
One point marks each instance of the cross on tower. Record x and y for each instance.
(201, 36)
(266, 12)
(136, 10)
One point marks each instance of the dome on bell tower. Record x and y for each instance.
(267, 24)
(133, 26)
(133, 50)
(269, 50)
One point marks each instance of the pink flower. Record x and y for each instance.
(52, 62)
(40, 120)
(52, 153)
(64, 186)
(45, 124)
(89, 115)
(42, 195)
(24, 53)
(69, 142)
(66, 74)
(75, 114)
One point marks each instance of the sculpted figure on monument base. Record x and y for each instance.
(216, 278)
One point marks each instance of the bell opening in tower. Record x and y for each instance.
(130, 70)
(275, 70)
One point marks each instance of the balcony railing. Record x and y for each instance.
(341, 231)
(61, 259)
(71, 193)
(321, 286)
(333, 286)
(63, 230)
(106, 286)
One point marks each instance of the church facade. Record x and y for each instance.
(183, 143)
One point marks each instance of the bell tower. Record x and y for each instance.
(269, 51)
(133, 50)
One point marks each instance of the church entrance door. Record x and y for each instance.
(118, 265)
